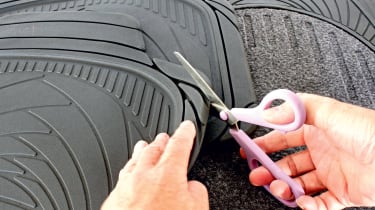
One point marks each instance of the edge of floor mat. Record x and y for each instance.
(355, 17)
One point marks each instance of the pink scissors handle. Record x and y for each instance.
(254, 115)
(254, 154)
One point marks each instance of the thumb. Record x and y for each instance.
(199, 194)
(282, 114)
(323, 201)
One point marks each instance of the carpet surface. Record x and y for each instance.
(286, 50)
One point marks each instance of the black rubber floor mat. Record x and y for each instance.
(110, 35)
(354, 16)
(67, 127)
(205, 32)
(74, 102)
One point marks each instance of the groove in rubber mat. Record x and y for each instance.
(57, 148)
(205, 32)
(46, 31)
(84, 98)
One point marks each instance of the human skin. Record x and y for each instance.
(339, 160)
(156, 176)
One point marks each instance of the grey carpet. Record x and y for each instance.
(294, 51)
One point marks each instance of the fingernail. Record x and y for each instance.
(271, 112)
(300, 204)
(161, 136)
(140, 144)
(138, 147)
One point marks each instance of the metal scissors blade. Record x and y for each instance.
(254, 154)
(202, 84)
(214, 99)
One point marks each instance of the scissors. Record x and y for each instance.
(254, 154)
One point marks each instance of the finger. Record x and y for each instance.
(339, 120)
(309, 182)
(282, 114)
(199, 194)
(242, 153)
(330, 115)
(177, 151)
(296, 163)
(281, 189)
(317, 110)
(151, 154)
(324, 201)
(260, 176)
(161, 140)
(321, 111)
(138, 148)
(276, 141)
(292, 165)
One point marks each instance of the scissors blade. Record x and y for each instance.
(214, 99)
(207, 90)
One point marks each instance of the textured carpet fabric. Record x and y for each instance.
(286, 50)
(289, 50)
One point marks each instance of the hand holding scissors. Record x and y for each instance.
(254, 154)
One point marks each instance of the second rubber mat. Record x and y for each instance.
(356, 17)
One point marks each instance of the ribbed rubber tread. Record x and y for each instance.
(125, 29)
(355, 16)
(69, 119)
(68, 127)
(205, 32)
(77, 32)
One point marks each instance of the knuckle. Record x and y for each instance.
(179, 138)
(155, 149)
(291, 165)
(123, 174)
(302, 183)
